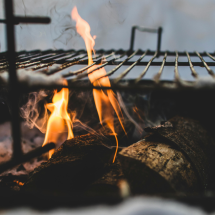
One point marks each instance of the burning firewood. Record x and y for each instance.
(175, 157)
(155, 167)
(109, 184)
(74, 166)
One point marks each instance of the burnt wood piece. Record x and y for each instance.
(74, 166)
(153, 167)
(109, 183)
(194, 141)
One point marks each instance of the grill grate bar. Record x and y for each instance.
(193, 71)
(210, 71)
(157, 77)
(146, 68)
(177, 78)
(209, 55)
(123, 74)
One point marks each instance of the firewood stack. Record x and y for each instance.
(174, 158)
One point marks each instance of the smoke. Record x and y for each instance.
(32, 113)
(36, 114)
(142, 110)
(65, 31)
(122, 105)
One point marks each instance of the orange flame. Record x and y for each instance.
(105, 100)
(58, 120)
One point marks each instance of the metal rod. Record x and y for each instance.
(210, 71)
(132, 38)
(159, 31)
(35, 20)
(177, 78)
(15, 22)
(146, 69)
(193, 71)
(159, 40)
(157, 77)
(19, 19)
(143, 29)
(209, 55)
(13, 81)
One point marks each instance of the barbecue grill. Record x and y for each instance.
(42, 61)
(39, 61)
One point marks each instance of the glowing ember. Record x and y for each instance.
(59, 121)
(105, 100)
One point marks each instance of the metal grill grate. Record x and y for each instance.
(65, 61)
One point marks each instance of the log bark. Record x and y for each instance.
(195, 143)
(156, 168)
(73, 166)
(177, 156)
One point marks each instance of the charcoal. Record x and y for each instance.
(157, 168)
(195, 143)
(74, 166)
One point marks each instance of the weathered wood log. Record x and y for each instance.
(195, 143)
(74, 166)
(155, 167)
(175, 157)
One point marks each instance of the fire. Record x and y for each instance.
(105, 100)
(59, 119)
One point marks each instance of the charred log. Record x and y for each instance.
(76, 165)
(109, 183)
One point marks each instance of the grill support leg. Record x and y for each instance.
(13, 81)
